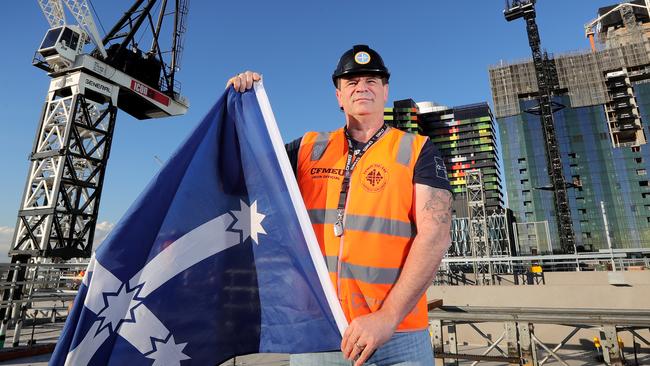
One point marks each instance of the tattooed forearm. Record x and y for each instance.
(439, 206)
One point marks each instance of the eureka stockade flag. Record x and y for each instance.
(216, 258)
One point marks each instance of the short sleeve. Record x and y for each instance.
(430, 168)
(293, 149)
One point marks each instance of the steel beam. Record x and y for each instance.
(593, 317)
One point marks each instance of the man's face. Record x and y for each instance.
(362, 95)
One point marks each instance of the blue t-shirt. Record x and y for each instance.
(429, 168)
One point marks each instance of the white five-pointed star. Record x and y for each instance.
(249, 221)
(168, 353)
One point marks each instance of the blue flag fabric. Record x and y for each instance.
(215, 259)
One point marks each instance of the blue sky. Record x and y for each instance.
(435, 50)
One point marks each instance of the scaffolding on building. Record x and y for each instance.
(581, 74)
(510, 81)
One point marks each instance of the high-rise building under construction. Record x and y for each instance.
(602, 111)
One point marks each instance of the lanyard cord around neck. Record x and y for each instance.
(353, 158)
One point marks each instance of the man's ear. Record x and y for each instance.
(338, 98)
(385, 93)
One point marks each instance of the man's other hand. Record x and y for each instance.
(243, 81)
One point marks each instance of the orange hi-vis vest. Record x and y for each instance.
(379, 222)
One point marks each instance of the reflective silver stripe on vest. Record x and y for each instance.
(365, 223)
(405, 149)
(332, 263)
(322, 216)
(373, 275)
(320, 144)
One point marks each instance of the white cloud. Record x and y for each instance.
(6, 234)
(102, 229)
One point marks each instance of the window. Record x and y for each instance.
(66, 37)
(582, 211)
(638, 160)
(643, 183)
(51, 37)
(580, 200)
(521, 160)
(572, 155)
(641, 172)
(524, 181)
(586, 235)
(636, 148)
(522, 171)
(528, 203)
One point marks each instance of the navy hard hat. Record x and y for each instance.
(361, 59)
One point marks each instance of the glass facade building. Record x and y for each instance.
(616, 176)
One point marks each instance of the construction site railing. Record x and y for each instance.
(522, 345)
(44, 294)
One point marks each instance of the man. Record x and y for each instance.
(381, 210)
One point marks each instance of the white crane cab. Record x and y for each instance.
(61, 46)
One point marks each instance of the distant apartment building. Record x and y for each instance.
(466, 139)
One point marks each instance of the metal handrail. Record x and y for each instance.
(567, 316)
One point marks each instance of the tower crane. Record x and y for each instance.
(591, 28)
(543, 69)
(60, 203)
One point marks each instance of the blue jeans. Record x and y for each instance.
(403, 348)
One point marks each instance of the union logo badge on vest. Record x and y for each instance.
(374, 178)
